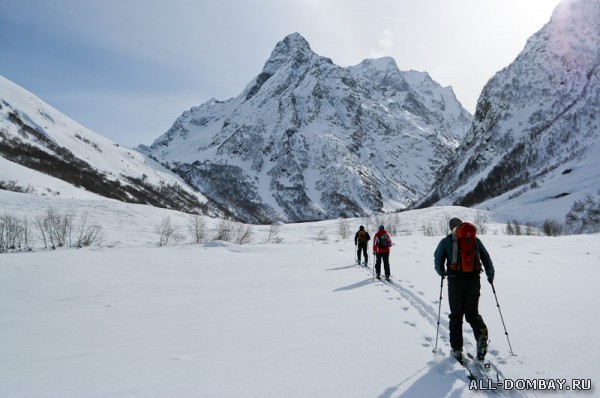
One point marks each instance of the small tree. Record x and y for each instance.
(87, 233)
(54, 228)
(197, 228)
(481, 223)
(243, 234)
(165, 231)
(343, 228)
(552, 228)
(428, 229)
(368, 221)
(439, 228)
(513, 228)
(15, 233)
(530, 229)
(273, 233)
(392, 224)
(322, 235)
(584, 216)
(224, 231)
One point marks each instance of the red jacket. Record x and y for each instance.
(376, 248)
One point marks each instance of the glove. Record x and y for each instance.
(491, 280)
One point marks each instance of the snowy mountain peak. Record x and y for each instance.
(576, 10)
(292, 43)
(292, 47)
(309, 140)
(381, 64)
(384, 71)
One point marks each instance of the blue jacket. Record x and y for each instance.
(443, 256)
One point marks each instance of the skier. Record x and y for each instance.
(463, 291)
(381, 250)
(361, 240)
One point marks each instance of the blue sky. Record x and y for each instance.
(127, 69)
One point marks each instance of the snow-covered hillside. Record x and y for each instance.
(296, 319)
(536, 135)
(42, 151)
(309, 140)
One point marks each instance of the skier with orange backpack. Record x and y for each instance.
(361, 240)
(459, 256)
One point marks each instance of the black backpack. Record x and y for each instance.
(383, 241)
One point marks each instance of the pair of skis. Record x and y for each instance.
(366, 265)
(482, 374)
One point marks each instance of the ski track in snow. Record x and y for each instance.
(427, 318)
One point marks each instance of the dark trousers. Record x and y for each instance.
(463, 295)
(386, 263)
(362, 248)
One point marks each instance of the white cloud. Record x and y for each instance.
(384, 45)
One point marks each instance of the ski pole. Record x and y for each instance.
(439, 313)
(373, 267)
(501, 317)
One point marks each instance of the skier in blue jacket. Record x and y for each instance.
(463, 292)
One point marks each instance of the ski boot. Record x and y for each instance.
(482, 343)
(458, 355)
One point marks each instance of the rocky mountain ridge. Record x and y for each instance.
(536, 130)
(309, 140)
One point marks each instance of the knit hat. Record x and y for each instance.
(381, 227)
(361, 227)
(455, 222)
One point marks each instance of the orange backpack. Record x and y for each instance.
(465, 256)
(362, 236)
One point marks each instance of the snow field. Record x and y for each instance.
(296, 319)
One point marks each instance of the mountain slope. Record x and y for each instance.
(535, 137)
(308, 140)
(39, 145)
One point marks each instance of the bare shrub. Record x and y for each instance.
(165, 230)
(224, 231)
(428, 229)
(87, 233)
(513, 228)
(54, 228)
(480, 222)
(435, 228)
(242, 234)
(552, 228)
(392, 224)
(15, 233)
(232, 232)
(322, 235)
(197, 228)
(58, 230)
(531, 229)
(273, 233)
(343, 228)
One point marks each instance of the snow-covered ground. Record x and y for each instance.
(295, 319)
